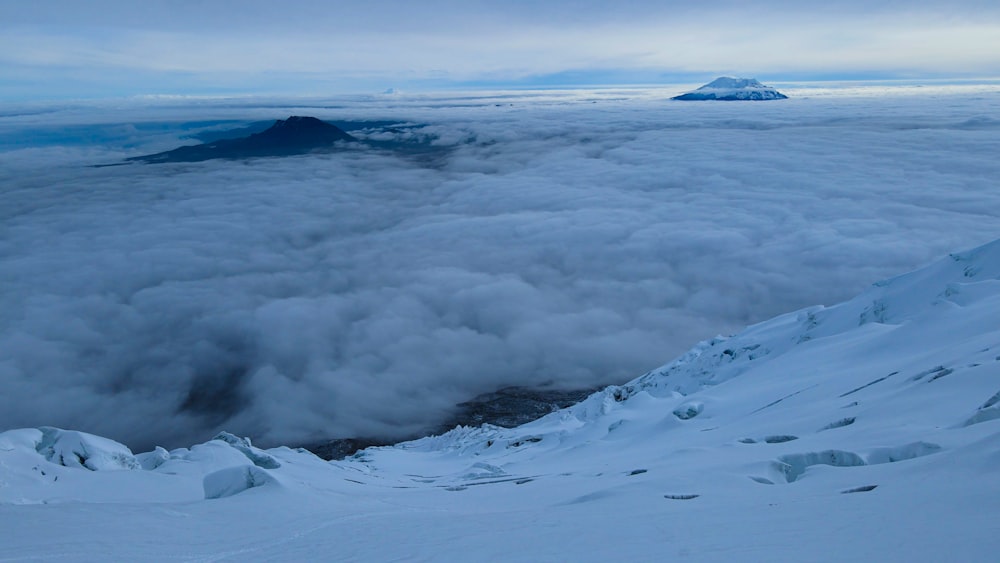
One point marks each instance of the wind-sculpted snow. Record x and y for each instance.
(46, 465)
(234, 480)
(848, 442)
(72, 449)
(76, 449)
(255, 455)
(560, 240)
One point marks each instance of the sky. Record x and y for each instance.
(564, 239)
(57, 49)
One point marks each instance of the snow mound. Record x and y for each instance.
(730, 89)
(482, 470)
(152, 460)
(689, 410)
(234, 480)
(79, 449)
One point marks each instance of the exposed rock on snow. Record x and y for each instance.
(839, 423)
(861, 489)
(779, 439)
(514, 406)
(776, 439)
(732, 89)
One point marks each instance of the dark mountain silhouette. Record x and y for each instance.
(295, 135)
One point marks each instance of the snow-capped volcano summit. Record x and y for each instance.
(868, 430)
(727, 88)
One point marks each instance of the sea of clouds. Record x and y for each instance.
(540, 239)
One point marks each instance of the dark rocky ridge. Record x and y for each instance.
(286, 137)
(508, 407)
(514, 406)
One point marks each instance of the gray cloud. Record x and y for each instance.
(557, 242)
(396, 15)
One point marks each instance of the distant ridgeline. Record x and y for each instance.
(733, 89)
(295, 135)
(508, 407)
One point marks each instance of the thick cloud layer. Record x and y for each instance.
(555, 241)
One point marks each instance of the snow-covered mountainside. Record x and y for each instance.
(869, 430)
(732, 89)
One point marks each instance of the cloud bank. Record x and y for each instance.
(561, 241)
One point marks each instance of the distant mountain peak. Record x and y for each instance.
(730, 82)
(729, 89)
(301, 122)
(296, 135)
(299, 119)
(299, 132)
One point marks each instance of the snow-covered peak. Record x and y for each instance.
(730, 82)
(729, 88)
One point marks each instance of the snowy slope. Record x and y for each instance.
(867, 430)
(733, 89)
